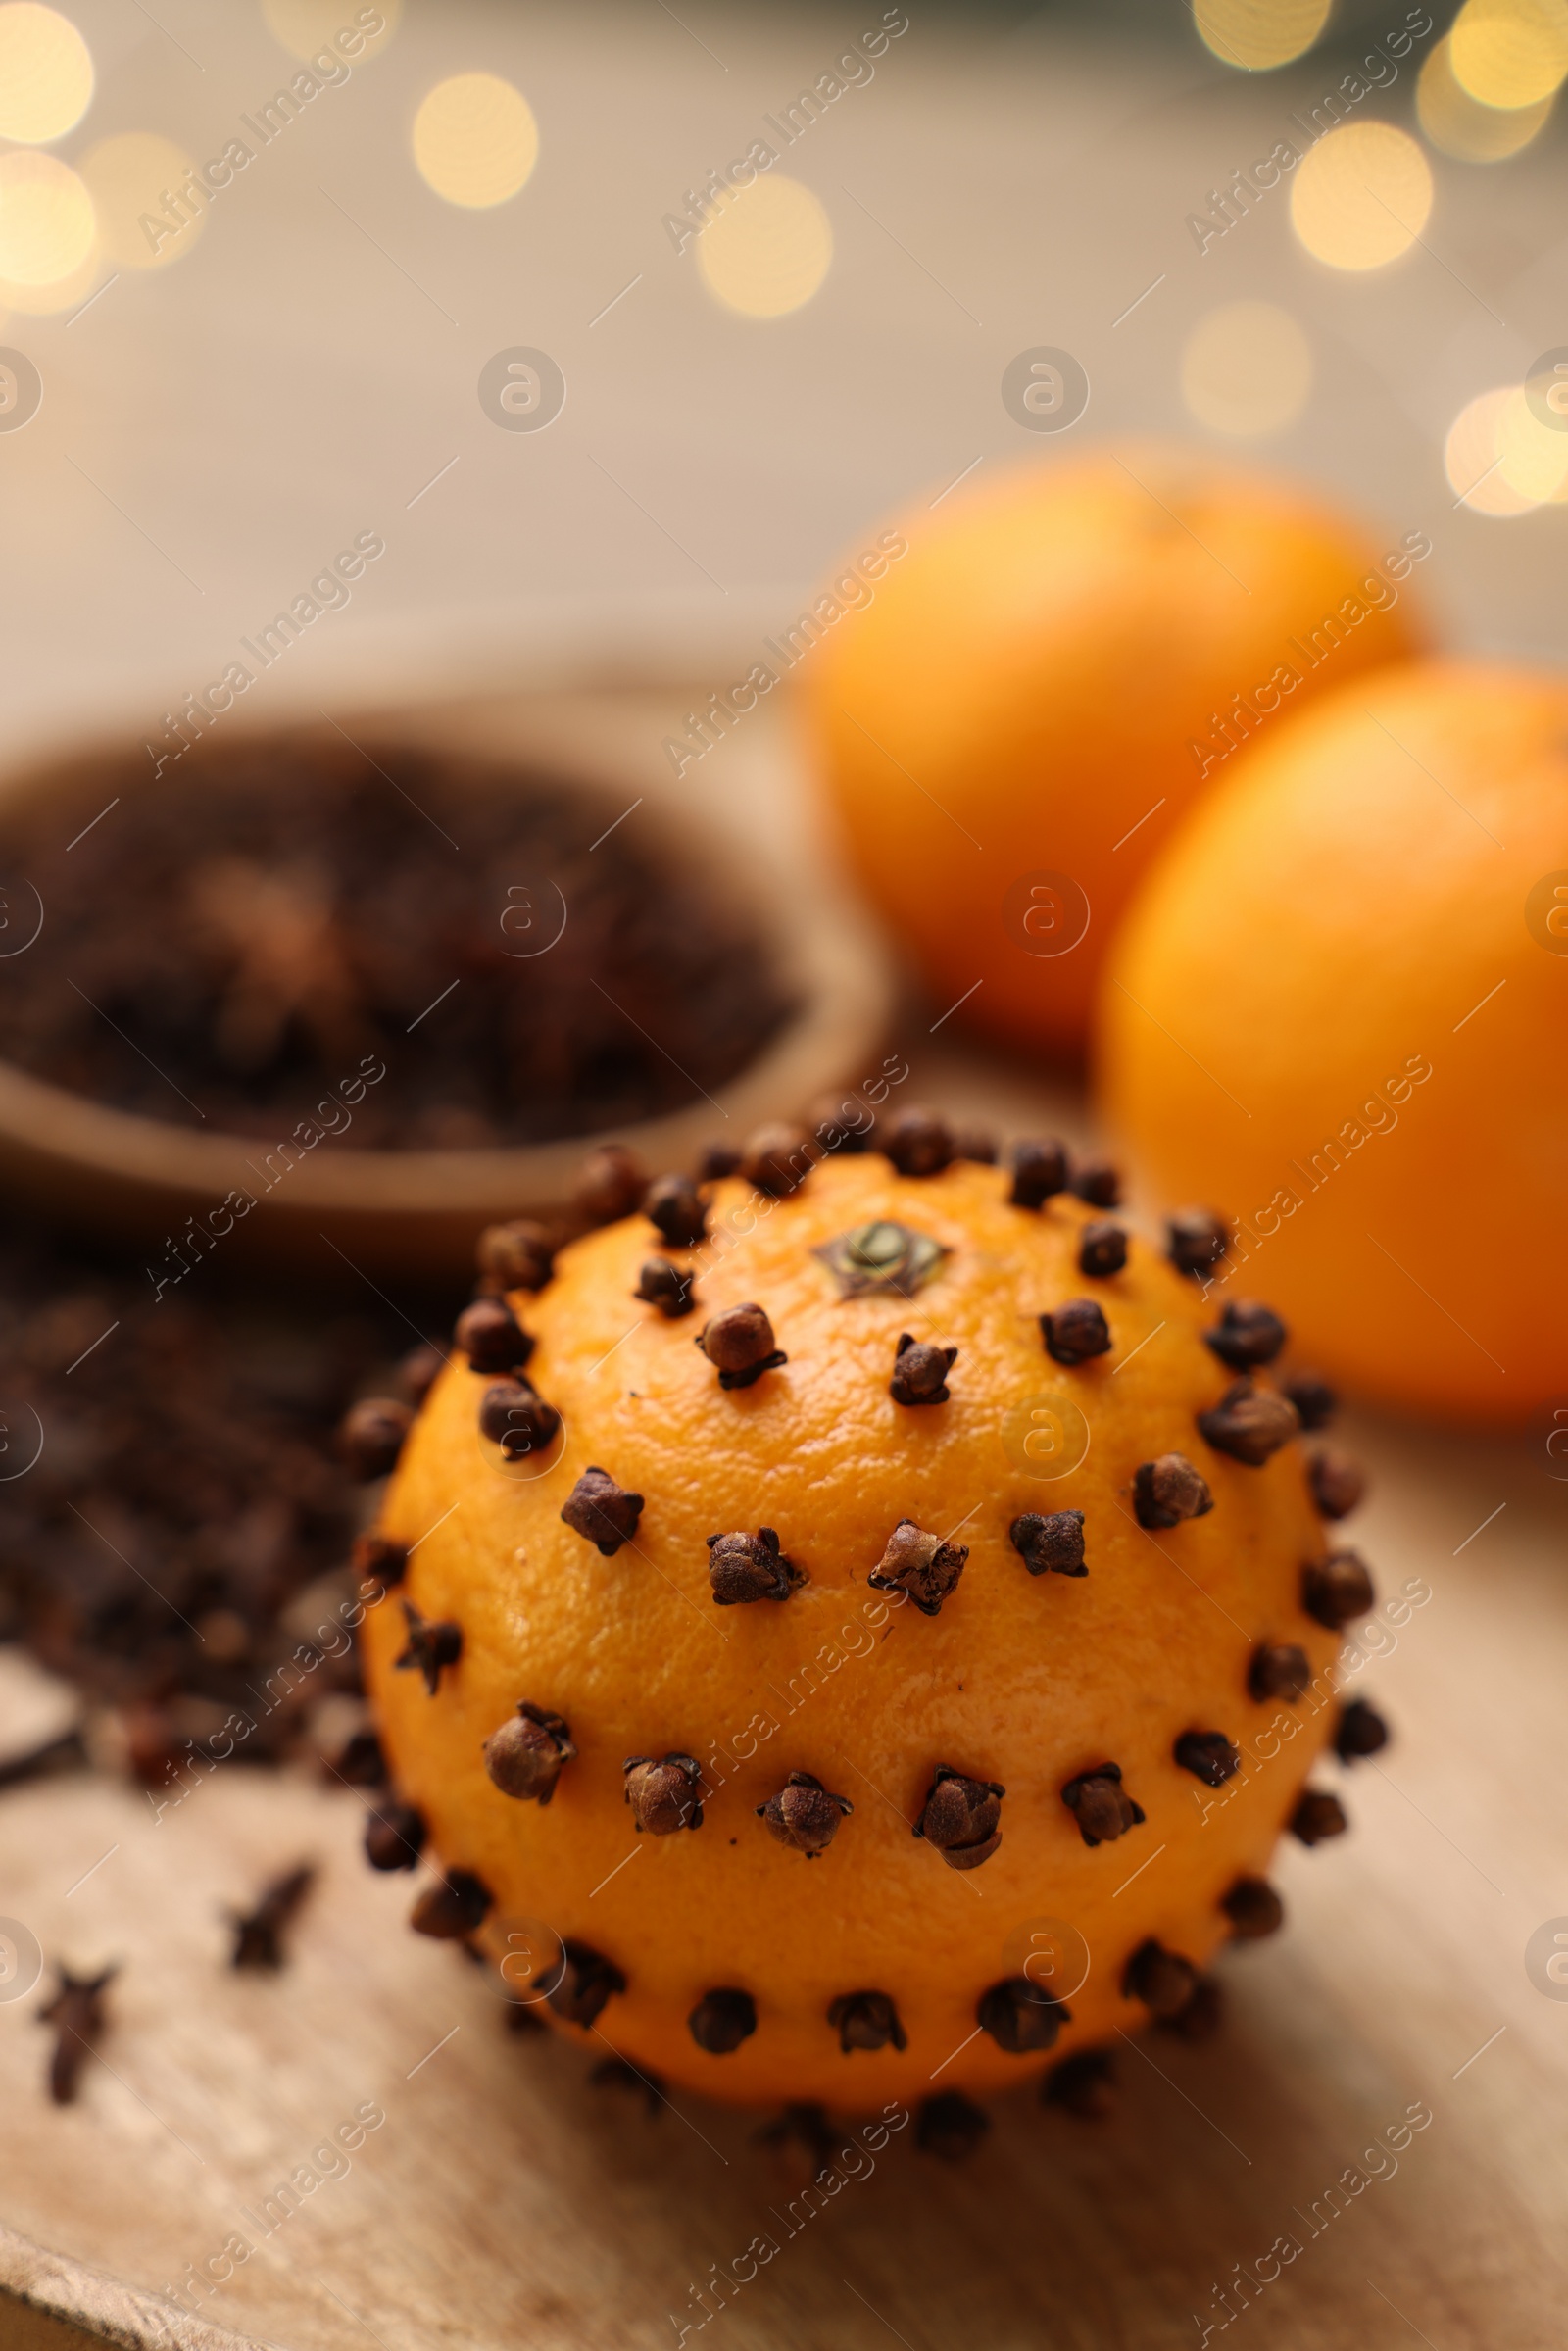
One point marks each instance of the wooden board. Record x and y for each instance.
(503, 2201)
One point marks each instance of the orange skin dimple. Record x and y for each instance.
(1022, 1680)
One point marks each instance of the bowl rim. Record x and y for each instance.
(819, 940)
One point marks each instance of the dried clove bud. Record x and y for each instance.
(609, 1184)
(519, 1256)
(920, 1371)
(618, 2073)
(1169, 1490)
(920, 1565)
(1075, 1332)
(394, 1837)
(515, 1416)
(750, 1567)
(1194, 1240)
(259, 1933)
(1318, 1815)
(840, 1123)
(455, 1907)
(777, 1159)
(919, 1143)
(587, 1980)
(1253, 1909)
(601, 1512)
(358, 1762)
(1096, 1182)
(804, 1814)
(664, 1796)
(1163, 1979)
(1039, 1173)
(1361, 1731)
(1249, 1423)
(1085, 2083)
(490, 1335)
(738, 1343)
(669, 1288)
(1020, 2017)
(976, 1143)
(371, 1434)
(378, 1558)
(419, 1369)
(715, 1161)
(721, 2020)
(804, 2126)
(951, 2125)
(1102, 1246)
(961, 1816)
(79, 2015)
(525, 1757)
(866, 2020)
(678, 1211)
(433, 1642)
(1050, 1544)
(1338, 1483)
(1314, 1400)
(1279, 1669)
(1336, 1591)
(1208, 1755)
(1199, 2018)
(1245, 1335)
(1101, 1805)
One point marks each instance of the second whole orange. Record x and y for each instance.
(1065, 660)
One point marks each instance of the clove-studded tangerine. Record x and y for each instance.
(710, 1702)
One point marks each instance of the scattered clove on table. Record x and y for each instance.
(77, 2015)
(259, 1933)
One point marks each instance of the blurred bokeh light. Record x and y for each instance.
(768, 250)
(1461, 126)
(1499, 460)
(1510, 53)
(475, 141)
(45, 74)
(1361, 196)
(145, 219)
(1259, 33)
(307, 27)
(46, 220)
(1247, 369)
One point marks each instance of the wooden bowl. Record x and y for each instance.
(416, 1213)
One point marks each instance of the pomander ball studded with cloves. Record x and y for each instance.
(836, 1602)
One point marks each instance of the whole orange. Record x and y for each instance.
(740, 1645)
(1014, 718)
(1356, 957)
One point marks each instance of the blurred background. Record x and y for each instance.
(298, 357)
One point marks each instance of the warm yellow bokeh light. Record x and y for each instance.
(1471, 458)
(1361, 196)
(1510, 53)
(46, 220)
(768, 250)
(45, 74)
(66, 293)
(1460, 126)
(1534, 455)
(308, 27)
(1259, 33)
(1247, 369)
(475, 141)
(147, 217)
